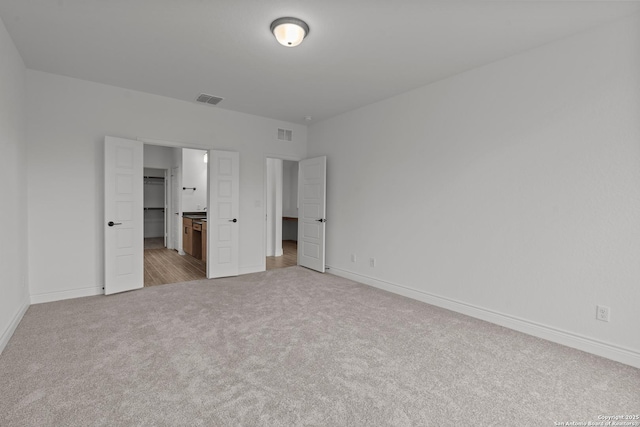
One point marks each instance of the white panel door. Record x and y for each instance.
(312, 189)
(222, 214)
(123, 215)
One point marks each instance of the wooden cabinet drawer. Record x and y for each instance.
(197, 226)
(187, 222)
(204, 242)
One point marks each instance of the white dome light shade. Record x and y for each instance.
(289, 31)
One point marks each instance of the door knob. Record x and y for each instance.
(111, 223)
(321, 220)
(233, 220)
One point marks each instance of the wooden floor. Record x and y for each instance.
(162, 266)
(288, 259)
(154, 242)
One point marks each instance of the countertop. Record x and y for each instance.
(197, 216)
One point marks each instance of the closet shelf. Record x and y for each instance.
(153, 180)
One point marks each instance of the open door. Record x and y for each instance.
(123, 215)
(223, 223)
(312, 189)
(176, 211)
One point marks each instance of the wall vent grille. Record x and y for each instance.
(208, 99)
(285, 135)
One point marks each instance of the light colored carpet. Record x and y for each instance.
(291, 347)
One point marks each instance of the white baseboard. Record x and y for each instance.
(8, 333)
(68, 294)
(589, 345)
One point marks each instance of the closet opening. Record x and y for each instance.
(282, 213)
(155, 225)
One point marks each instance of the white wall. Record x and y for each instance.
(67, 122)
(194, 175)
(158, 157)
(274, 207)
(14, 293)
(510, 192)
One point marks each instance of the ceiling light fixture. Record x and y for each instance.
(289, 31)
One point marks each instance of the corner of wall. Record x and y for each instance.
(14, 286)
(11, 328)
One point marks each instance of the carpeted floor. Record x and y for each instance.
(292, 347)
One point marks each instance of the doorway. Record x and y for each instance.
(168, 206)
(281, 185)
(124, 164)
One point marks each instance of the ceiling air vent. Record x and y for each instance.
(285, 135)
(209, 99)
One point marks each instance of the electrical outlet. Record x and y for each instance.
(372, 262)
(353, 257)
(603, 313)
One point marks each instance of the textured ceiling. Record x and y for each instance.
(358, 51)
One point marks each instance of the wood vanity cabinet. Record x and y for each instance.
(196, 240)
(192, 237)
(187, 235)
(204, 241)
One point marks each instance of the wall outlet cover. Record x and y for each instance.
(603, 313)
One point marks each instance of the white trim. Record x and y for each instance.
(62, 295)
(559, 336)
(282, 157)
(8, 333)
(173, 144)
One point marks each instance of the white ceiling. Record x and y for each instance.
(358, 51)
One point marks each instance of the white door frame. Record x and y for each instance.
(168, 210)
(176, 183)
